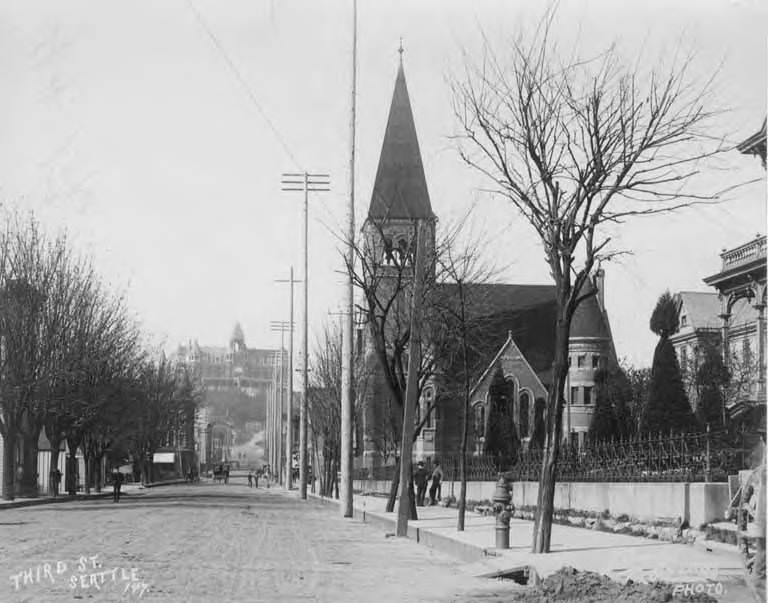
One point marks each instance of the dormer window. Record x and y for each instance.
(683, 321)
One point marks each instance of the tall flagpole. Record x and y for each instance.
(347, 396)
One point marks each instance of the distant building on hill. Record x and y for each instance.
(237, 382)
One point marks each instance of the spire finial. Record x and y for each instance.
(401, 50)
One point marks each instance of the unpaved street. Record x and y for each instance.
(216, 543)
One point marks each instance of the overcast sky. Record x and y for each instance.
(124, 123)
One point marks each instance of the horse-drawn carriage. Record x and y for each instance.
(221, 473)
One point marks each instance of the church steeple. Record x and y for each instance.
(400, 189)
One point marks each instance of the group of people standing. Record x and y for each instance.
(422, 478)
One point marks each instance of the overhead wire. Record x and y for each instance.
(241, 80)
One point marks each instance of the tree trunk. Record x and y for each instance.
(464, 435)
(406, 508)
(99, 474)
(393, 488)
(88, 470)
(73, 443)
(463, 471)
(55, 445)
(325, 475)
(542, 529)
(30, 438)
(146, 478)
(9, 456)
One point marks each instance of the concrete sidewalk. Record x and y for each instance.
(127, 490)
(618, 556)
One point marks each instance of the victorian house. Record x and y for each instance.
(732, 318)
(518, 319)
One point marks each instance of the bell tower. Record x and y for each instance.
(400, 200)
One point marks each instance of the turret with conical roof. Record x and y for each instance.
(400, 188)
(237, 341)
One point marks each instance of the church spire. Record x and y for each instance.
(400, 189)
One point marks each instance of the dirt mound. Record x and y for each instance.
(569, 584)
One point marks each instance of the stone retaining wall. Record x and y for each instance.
(697, 503)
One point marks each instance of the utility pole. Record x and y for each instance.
(305, 183)
(276, 448)
(289, 438)
(347, 352)
(282, 326)
(412, 385)
(268, 427)
(279, 413)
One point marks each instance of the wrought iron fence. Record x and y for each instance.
(693, 457)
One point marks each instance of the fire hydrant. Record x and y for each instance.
(503, 511)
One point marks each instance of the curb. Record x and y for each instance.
(34, 502)
(168, 483)
(444, 544)
(48, 500)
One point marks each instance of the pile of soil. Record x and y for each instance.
(569, 584)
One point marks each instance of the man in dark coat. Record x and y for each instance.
(117, 481)
(55, 481)
(421, 477)
(437, 478)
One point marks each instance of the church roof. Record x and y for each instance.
(400, 188)
(529, 313)
(588, 320)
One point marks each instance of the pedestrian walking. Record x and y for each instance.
(226, 474)
(250, 478)
(437, 478)
(421, 477)
(117, 482)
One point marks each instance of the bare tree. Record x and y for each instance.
(155, 408)
(325, 405)
(60, 407)
(31, 309)
(384, 276)
(579, 146)
(460, 344)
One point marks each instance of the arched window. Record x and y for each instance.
(479, 420)
(429, 398)
(511, 395)
(402, 250)
(525, 402)
(389, 255)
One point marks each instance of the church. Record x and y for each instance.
(518, 362)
